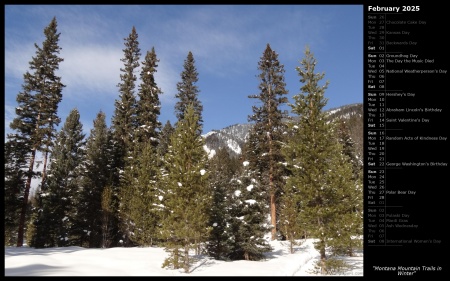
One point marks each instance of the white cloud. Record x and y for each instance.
(91, 68)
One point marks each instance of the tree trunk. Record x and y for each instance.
(186, 258)
(25, 200)
(273, 213)
(44, 168)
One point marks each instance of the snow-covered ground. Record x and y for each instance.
(147, 261)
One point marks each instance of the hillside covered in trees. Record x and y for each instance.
(138, 182)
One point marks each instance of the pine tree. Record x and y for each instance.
(321, 173)
(124, 122)
(148, 107)
(37, 111)
(15, 167)
(107, 215)
(137, 186)
(222, 168)
(51, 89)
(186, 197)
(139, 210)
(267, 133)
(58, 196)
(164, 142)
(248, 217)
(124, 119)
(349, 146)
(188, 92)
(96, 177)
(351, 221)
(289, 206)
(146, 208)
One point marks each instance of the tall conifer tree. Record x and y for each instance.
(140, 165)
(124, 119)
(37, 118)
(222, 169)
(96, 177)
(321, 173)
(248, 222)
(59, 195)
(139, 211)
(148, 106)
(188, 92)
(15, 175)
(267, 133)
(186, 196)
(164, 142)
(124, 122)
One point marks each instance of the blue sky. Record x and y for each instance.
(227, 42)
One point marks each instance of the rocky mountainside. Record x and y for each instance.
(233, 137)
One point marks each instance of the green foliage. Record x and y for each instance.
(222, 168)
(15, 167)
(59, 195)
(139, 210)
(289, 207)
(265, 139)
(124, 122)
(137, 193)
(96, 176)
(350, 148)
(322, 183)
(37, 118)
(107, 215)
(188, 92)
(186, 196)
(148, 106)
(124, 119)
(164, 142)
(247, 223)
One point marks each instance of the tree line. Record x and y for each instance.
(139, 183)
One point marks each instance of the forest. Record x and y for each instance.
(139, 182)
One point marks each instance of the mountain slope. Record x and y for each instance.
(234, 137)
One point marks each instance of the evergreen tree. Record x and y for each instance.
(137, 186)
(164, 142)
(321, 173)
(248, 217)
(58, 196)
(97, 176)
(222, 168)
(124, 122)
(349, 146)
(107, 215)
(139, 210)
(148, 107)
(290, 225)
(188, 92)
(146, 208)
(51, 90)
(186, 196)
(267, 133)
(351, 221)
(37, 111)
(15, 167)
(124, 119)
